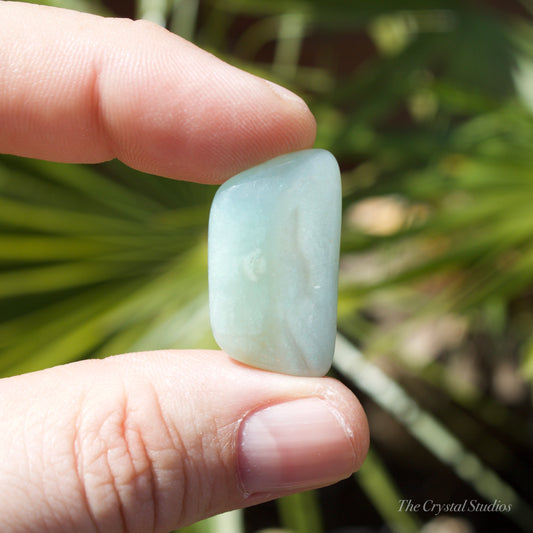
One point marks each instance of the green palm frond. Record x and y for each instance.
(94, 262)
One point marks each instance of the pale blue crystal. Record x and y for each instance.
(274, 233)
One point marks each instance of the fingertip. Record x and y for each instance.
(89, 89)
(172, 109)
(209, 121)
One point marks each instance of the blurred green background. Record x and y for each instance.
(428, 106)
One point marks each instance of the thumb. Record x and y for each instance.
(155, 441)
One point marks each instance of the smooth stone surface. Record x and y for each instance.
(274, 237)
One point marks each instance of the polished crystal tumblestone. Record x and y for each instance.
(274, 233)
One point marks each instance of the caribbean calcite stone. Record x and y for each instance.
(273, 254)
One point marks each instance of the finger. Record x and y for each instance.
(80, 88)
(155, 441)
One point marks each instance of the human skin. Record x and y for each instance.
(157, 440)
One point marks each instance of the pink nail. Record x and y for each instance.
(293, 446)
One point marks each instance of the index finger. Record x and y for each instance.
(80, 88)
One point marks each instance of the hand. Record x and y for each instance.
(153, 441)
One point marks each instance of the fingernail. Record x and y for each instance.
(293, 446)
(284, 93)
